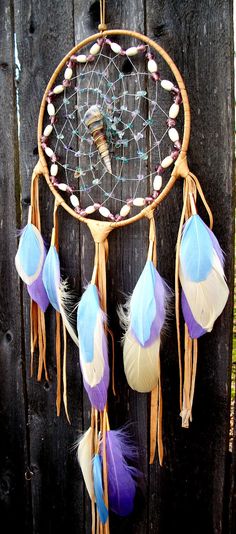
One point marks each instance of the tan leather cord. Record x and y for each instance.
(156, 394)
(102, 26)
(58, 362)
(105, 427)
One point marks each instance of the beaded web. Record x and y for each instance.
(137, 116)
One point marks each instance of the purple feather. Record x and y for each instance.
(98, 394)
(195, 330)
(122, 478)
(38, 294)
(216, 246)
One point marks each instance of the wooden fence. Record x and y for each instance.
(41, 488)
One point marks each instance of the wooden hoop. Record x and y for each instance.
(180, 169)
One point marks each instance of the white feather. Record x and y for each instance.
(66, 304)
(141, 364)
(207, 298)
(84, 455)
(93, 371)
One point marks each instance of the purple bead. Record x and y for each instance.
(129, 201)
(112, 217)
(155, 76)
(66, 83)
(83, 213)
(149, 55)
(118, 218)
(171, 122)
(159, 169)
(53, 119)
(53, 180)
(175, 89)
(174, 154)
(177, 145)
(54, 158)
(69, 64)
(142, 47)
(178, 99)
(155, 194)
(97, 206)
(91, 57)
(148, 200)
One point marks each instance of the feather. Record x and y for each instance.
(30, 254)
(144, 321)
(98, 489)
(38, 293)
(202, 276)
(194, 329)
(55, 289)
(93, 347)
(121, 476)
(141, 364)
(84, 455)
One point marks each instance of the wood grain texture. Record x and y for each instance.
(190, 493)
(15, 502)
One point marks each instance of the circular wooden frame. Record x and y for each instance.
(180, 167)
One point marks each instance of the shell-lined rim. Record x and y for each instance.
(186, 132)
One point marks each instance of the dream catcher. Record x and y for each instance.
(108, 124)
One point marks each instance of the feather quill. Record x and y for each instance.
(202, 277)
(93, 347)
(84, 455)
(98, 489)
(55, 289)
(122, 478)
(144, 321)
(30, 255)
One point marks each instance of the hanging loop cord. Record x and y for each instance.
(102, 26)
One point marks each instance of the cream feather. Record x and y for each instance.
(93, 371)
(84, 455)
(207, 298)
(141, 364)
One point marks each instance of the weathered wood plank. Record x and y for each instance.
(189, 492)
(45, 32)
(15, 500)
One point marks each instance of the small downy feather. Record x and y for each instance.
(30, 254)
(84, 455)
(201, 273)
(55, 289)
(122, 478)
(93, 347)
(98, 489)
(144, 321)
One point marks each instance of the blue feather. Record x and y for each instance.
(196, 250)
(51, 277)
(87, 314)
(98, 489)
(30, 255)
(147, 305)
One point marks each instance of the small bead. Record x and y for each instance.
(105, 212)
(152, 66)
(167, 162)
(49, 151)
(81, 212)
(174, 154)
(81, 58)
(155, 76)
(177, 145)
(148, 200)
(48, 130)
(116, 48)
(112, 217)
(95, 49)
(125, 210)
(173, 111)
(51, 109)
(68, 73)
(74, 201)
(171, 122)
(58, 89)
(178, 99)
(167, 85)
(66, 83)
(139, 201)
(155, 194)
(90, 209)
(132, 51)
(129, 201)
(62, 187)
(96, 206)
(157, 182)
(173, 135)
(159, 169)
(118, 218)
(54, 169)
